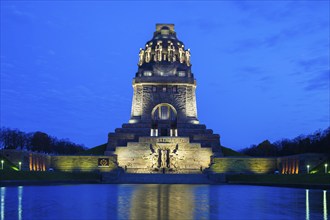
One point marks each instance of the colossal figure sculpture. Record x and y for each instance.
(188, 57)
(148, 54)
(164, 124)
(159, 48)
(141, 56)
(181, 54)
(171, 51)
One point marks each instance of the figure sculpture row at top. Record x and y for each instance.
(161, 54)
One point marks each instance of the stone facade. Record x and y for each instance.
(244, 165)
(295, 164)
(180, 95)
(83, 163)
(32, 161)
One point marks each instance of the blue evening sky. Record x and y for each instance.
(262, 67)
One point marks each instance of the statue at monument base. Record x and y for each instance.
(169, 154)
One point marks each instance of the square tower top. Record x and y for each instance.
(161, 26)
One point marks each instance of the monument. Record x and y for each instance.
(163, 134)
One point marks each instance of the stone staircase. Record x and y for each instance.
(197, 133)
(128, 178)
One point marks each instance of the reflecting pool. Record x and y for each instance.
(156, 201)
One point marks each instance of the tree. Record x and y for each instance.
(41, 142)
(37, 141)
(12, 139)
(318, 142)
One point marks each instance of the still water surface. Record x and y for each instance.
(153, 201)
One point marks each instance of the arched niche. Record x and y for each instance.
(164, 111)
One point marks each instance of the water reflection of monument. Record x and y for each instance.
(161, 202)
(163, 133)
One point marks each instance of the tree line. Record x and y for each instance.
(318, 142)
(37, 142)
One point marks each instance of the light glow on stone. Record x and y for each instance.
(133, 121)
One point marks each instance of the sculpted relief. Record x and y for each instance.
(164, 157)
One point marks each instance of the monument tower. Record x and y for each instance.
(163, 133)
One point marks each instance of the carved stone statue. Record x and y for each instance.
(158, 51)
(181, 54)
(188, 57)
(154, 160)
(164, 159)
(141, 56)
(170, 52)
(173, 161)
(148, 54)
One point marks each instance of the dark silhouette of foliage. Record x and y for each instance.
(38, 142)
(318, 142)
(13, 139)
(41, 142)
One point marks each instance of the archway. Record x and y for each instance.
(164, 120)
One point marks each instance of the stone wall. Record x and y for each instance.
(82, 163)
(244, 165)
(31, 161)
(137, 101)
(296, 164)
(191, 108)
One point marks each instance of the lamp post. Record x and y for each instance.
(2, 164)
(20, 165)
(307, 168)
(326, 168)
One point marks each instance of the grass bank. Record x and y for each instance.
(98, 150)
(321, 168)
(285, 180)
(28, 176)
(227, 152)
(7, 165)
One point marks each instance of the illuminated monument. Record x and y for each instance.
(163, 133)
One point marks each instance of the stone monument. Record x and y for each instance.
(164, 134)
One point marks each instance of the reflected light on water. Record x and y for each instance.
(2, 206)
(325, 211)
(307, 204)
(159, 202)
(19, 196)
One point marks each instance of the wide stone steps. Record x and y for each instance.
(146, 131)
(125, 178)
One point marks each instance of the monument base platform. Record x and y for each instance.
(128, 178)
